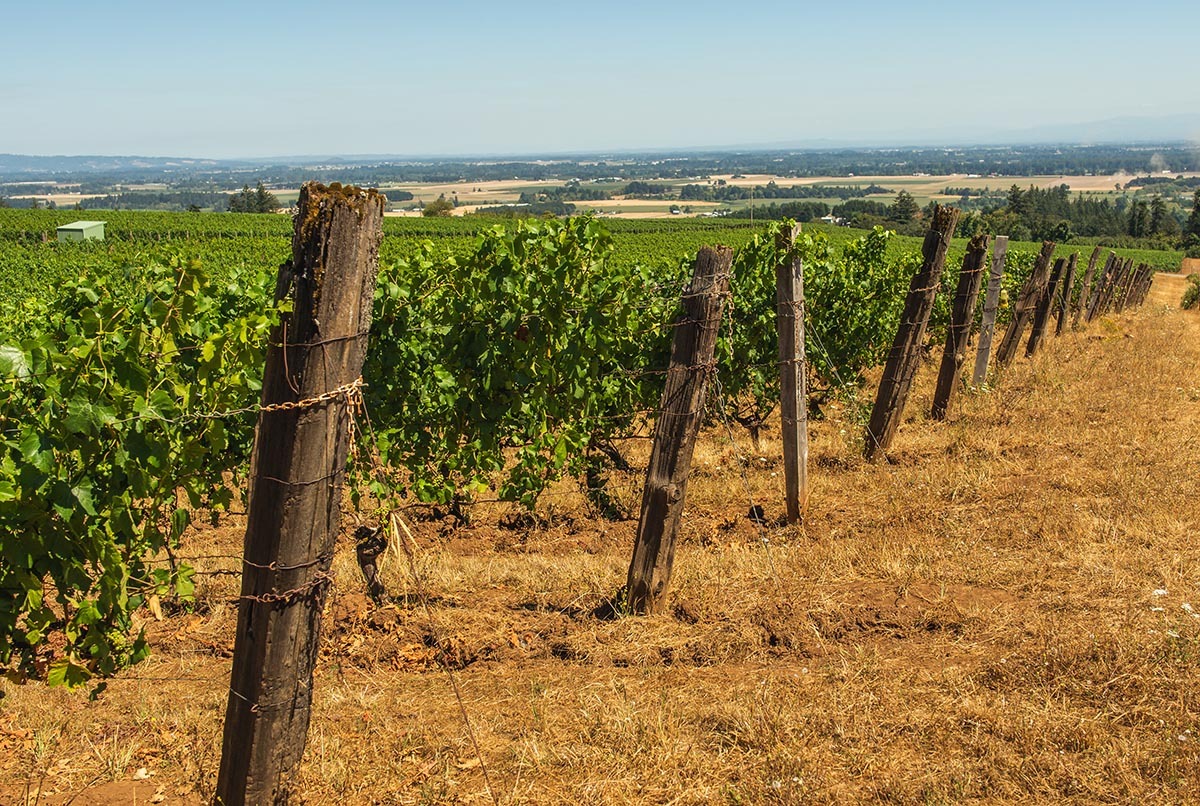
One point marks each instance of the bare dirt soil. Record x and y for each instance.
(1008, 611)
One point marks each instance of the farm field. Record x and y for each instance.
(924, 188)
(1007, 612)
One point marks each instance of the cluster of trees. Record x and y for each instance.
(903, 215)
(1036, 214)
(722, 192)
(1024, 214)
(259, 200)
(19, 204)
(639, 188)
(1151, 219)
(551, 208)
(1191, 229)
(1165, 183)
(169, 200)
(572, 191)
(802, 211)
(1056, 214)
(441, 206)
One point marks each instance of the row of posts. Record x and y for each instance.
(1047, 291)
(301, 447)
(308, 397)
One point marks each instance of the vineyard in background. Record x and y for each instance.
(33, 264)
(501, 359)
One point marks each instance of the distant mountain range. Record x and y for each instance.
(1129, 130)
(1161, 130)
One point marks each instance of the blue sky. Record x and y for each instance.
(225, 79)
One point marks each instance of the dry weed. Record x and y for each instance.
(1009, 611)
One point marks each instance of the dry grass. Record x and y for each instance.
(1005, 613)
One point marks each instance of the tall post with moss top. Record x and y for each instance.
(310, 389)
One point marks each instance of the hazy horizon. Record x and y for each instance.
(471, 79)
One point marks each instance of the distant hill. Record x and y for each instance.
(1171, 129)
(23, 163)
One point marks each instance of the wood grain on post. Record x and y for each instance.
(793, 373)
(1026, 305)
(963, 311)
(991, 304)
(1065, 294)
(905, 354)
(1042, 312)
(1085, 292)
(680, 413)
(310, 386)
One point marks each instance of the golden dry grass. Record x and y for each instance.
(1005, 613)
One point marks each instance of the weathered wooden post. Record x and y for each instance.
(1064, 294)
(1042, 313)
(1120, 272)
(1106, 278)
(311, 384)
(963, 311)
(679, 417)
(793, 373)
(905, 354)
(1144, 288)
(1026, 303)
(1127, 288)
(1118, 290)
(991, 304)
(1085, 293)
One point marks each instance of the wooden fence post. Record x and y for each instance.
(905, 354)
(1042, 313)
(1118, 292)
(679, 417)
(310, 387)
(1131, 297)
(1126, 289)
(1144, 289)
(1026, 303)
(1122, 271)
(961, 314)
(1085, 293)
(1102, 284)
(793, 371)
(1065, 294)
(991, 303)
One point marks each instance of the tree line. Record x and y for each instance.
(1038, 214)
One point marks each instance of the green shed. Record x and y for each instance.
(81, 231)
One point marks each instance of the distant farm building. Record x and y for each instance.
(81, 231)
